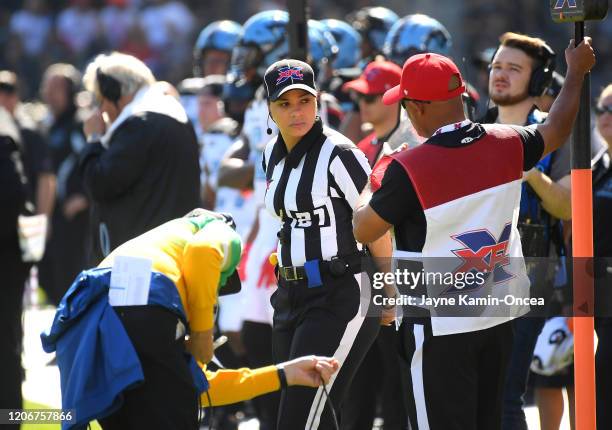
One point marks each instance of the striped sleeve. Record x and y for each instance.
(350, 170)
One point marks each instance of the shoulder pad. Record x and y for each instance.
(226, 126)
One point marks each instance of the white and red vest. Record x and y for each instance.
(470, 195)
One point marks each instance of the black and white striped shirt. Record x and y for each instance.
(313, 190)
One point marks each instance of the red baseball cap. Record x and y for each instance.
(426, 77)
(378, 77)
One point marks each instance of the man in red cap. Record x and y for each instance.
(368, 90)
(457, 195)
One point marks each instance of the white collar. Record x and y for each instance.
(148, 99)
(452, 127)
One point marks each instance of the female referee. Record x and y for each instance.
(314, 178)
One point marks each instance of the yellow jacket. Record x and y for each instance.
(193, 253)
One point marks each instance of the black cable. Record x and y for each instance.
(316, 409)
(210, 411)
(200, 411)
(329, 404)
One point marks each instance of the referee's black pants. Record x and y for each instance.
(456, 381)
(327, 321)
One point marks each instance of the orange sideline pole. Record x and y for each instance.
(584, 357)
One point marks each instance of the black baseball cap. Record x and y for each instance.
(286, 75)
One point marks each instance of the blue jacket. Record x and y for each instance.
(95, 356)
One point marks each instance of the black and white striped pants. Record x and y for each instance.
(454, 382)
(327, 321)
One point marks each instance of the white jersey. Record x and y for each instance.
(260, 282)
(239, 203)
(190, 103)
(256, 122)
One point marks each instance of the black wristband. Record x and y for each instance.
(282, 377)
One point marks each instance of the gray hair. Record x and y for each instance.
(131, 73)
(67, 71)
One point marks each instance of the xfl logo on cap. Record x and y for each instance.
(288, 72)
(484, 253)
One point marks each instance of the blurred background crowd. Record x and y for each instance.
(36, 33)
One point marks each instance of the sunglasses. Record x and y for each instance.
(368, 98)
(404, 102)
(600, 110)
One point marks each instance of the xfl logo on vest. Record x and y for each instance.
(484, 253)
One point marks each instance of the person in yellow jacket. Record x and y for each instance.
(199, 254)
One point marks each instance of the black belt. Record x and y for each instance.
(292, 273)
(337, 266)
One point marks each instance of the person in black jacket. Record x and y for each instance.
(141, 166)
(37, 163)
(66, 244)
(14, 270)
